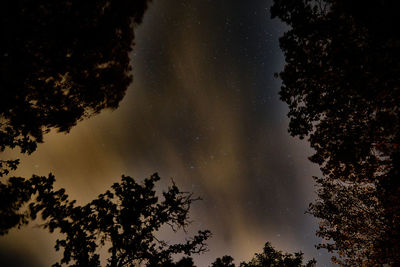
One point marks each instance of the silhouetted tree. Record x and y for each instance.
(184, 262)
(225, 261)
(7, 165)
(341, 82)
(60, 62)
(352, 216)
(269, 257)
(272, 257)
(124, 220)
(14, 195)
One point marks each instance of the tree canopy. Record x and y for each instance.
(60, 62)
(225, 261)
(269, 257)
(124, 219)
(273, 257)
(341, 83)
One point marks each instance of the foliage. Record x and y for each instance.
(14, 195)
(272, 257)
(269, 257)
(60, 62)
(341, 82)
(356, 212)
(184, 262)
(7, 165)
(225, 261)
(124, 219)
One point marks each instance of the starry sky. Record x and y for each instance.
(204, 110)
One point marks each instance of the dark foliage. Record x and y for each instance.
(124, 219)
(272, 257)
(184, 262)
(341, 82)
(14, 195)
(8, 165)
(60, 62)
(225, 261)
(269, 257)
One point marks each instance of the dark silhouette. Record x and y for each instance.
(272, 257)
(269, 257)
(341, 82)
(225, 261)
(15, 194)
(7, 165)
(184, 262)
(124, 219)
(61, 62)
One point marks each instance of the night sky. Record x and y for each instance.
(204, 110)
